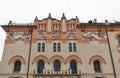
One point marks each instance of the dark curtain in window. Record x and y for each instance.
(39, 47)
(74, 47)
(54, 47)
(73, 67)
(70, 47)
(43, 47)
(40, 67)
(17, 66)
(59, 47)
(57, 66)
(97, 66)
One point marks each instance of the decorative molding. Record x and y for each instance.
(73, 57)
(40, 57)
(97, 57)
(57, 57)
(17, 57)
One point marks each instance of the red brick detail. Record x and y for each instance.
(97, 57)
(86, 41)
(27, 41)
(9, 41)
(103, 41)
(57, 57)
(73, 57)
(117, 34)
(16, 58)
(40, 57)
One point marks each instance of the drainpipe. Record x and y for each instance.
(29, 56)
(111, 55)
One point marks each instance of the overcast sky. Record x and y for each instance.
(24, 11)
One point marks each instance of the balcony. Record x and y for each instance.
(57, 74)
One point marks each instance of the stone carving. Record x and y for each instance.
(56, 35)
(71, 35)
(41, 35)
(94, 35)
(18, 35)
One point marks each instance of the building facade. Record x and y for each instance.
(52, 48)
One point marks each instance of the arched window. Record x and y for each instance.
(57, 65)
(74, 47)
(119, 39)
(17, 66)
(97, 66)
(73, 67)
(70, 47)
(54, 47)
(39, 47)
(40, 67)
(59, 47)
(43, 47)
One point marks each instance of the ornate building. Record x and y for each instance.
(51, 48)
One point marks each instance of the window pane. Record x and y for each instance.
(57, 66)
(17, 66)
(73, 67)
(39, 47)
(40, 67)
(97, 66)
(43, 47)
(59, 47)
(70, 47)
(74, 47)
(54, 47)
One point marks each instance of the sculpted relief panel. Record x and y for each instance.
(71, 35)
(41, 35)
(56, 35)
(94, 35)
(18, 35)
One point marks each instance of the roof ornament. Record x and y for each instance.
(10, 22)
(36, 18)
(63, 16)
(77, 18)
(49, 16)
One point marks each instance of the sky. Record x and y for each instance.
(24, 11)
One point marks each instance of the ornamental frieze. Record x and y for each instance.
(94, 35)
(18, 35)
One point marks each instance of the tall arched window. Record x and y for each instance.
(43, 47)
(97, 66)
(74, 47)
(40, 67)
(17, 66)
(59, 47)
(119, 39)
(70, 47)
(73, 67)
(57, 65)
(39, 47)
(54, 47)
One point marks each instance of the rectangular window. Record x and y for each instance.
(70, 47)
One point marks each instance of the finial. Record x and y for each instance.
(63, 16)
(77, 18)
(36, 18)
(10, 22)
(49, 16)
